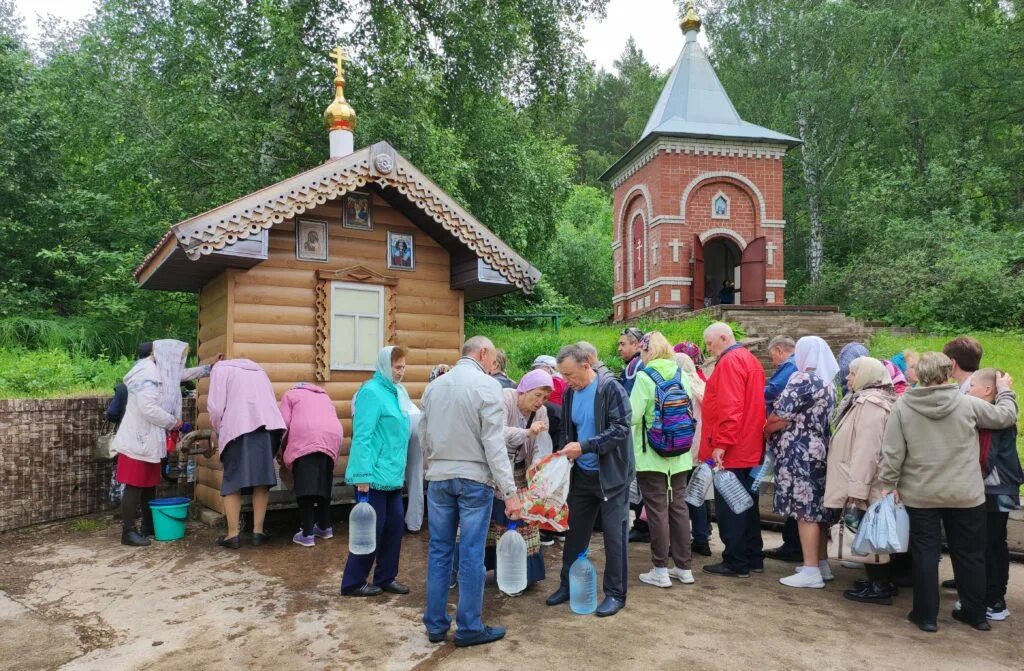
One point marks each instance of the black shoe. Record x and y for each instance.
(949, 584)
(260, 538)
(873, 592)
(723, 570)
(639, 535)
(148, 532)
(134, 539)
(702, 549)
(232, 543)
(610, 606)
(891, 587)
(365, 590)
(929, 627)
(438, 637)
(395, 587)
(979, 624)
(488, 635)
(560, 596)
(547, 538)
(782, 553)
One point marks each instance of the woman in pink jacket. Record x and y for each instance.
(311, 449)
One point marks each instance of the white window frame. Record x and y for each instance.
(336, 312)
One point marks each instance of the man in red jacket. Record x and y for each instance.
(732, 424)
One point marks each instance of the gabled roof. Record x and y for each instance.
(248, 217)
(694, 104)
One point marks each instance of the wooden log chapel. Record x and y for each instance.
(311, 276)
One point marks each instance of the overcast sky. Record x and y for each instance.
(655, 27)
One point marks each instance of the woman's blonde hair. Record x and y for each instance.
(656, 346)
(934, 368)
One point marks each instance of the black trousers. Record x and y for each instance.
(741, 533)
(997, 558)
(132, 500)
(791, 536)
(585, 501)
(313, 509)
(965, 534)
(880, 573)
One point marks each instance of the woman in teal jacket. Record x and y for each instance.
(662, 480)
(376, 467)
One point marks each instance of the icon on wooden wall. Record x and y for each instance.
(311, 240)
(401, 251)
(358, 213)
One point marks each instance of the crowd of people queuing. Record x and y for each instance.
(935, 429)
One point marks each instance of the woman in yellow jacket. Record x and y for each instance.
(662, 480)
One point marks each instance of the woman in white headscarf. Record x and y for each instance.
(153, 409)
(798, 431)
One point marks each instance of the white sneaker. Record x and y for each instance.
(683, 575)
(826, 572)
(801, 579)
(999, 612)
(658, 578)
(850, 564)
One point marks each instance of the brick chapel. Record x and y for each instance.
(698, 200)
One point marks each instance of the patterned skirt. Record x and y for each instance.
(529, 532)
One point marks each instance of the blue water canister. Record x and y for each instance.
(700, 481)
(763, 473)
(362, 526)
(582, 586)
(510, 568)
(732, 490)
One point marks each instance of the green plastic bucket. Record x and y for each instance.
(169, 517)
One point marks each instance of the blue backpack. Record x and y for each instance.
(671, 435)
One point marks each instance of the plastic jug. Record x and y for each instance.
(362, 526)
(732, 490)
(510, 568)
(582, 586)
(763, 473)
(697, 488)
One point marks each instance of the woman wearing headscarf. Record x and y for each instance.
(853, 457)
(700, 517)
(847, 354)
(311, 447)
(798, 431)
(244, 413)
(899, 380)
(693, 352)
(376, 465)
(527, 442)
(662, 480)
(153, 408)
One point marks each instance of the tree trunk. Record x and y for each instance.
(812, 183)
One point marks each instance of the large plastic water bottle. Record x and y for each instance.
(362, 526)
(697, 488)
(732, 490)
(510, 569)
(763, 473)
(582, 586)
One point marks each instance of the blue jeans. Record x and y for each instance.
(453, 505)
(700, 523)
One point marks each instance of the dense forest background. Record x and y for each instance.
(905, 202)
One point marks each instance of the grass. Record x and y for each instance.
(47, 373)
(89, 525)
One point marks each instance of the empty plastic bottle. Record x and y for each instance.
(582, 586)
(510, 568)
(362, 526)
(763, 473)
(700, 481)
(736, 496)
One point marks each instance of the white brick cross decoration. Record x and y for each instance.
(771, 247)
(618, 271)
(675, 245)
(655, 262)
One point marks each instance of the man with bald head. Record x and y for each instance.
(731, 435)
(462, 432)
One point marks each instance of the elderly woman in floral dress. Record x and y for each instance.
(798, 431)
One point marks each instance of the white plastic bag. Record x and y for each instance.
(545, 499)
(885, 529)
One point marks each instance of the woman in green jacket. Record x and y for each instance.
(662, 480)
(376, 465)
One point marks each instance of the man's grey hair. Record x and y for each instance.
(589, 349)
(782, 342)
(579, 355)
(719, 329)
(475, 344)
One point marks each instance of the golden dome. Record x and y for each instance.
(691, 21)
(339, 115)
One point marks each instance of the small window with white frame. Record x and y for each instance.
(720, 206)
(357, 325)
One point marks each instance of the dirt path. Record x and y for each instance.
(79, 600)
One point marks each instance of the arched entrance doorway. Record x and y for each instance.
(721, 265)
(719, 260)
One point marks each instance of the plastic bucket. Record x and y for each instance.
(169, 517)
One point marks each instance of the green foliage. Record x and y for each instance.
(90, 525)
(579, 263)
(55, 372)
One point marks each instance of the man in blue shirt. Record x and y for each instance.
(781, 349)
(596, 425)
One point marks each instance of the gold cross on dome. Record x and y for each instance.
(340, 57)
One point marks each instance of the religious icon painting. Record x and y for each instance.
(401, 251)
(311, 240)
(358, 214)
(720, 206)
